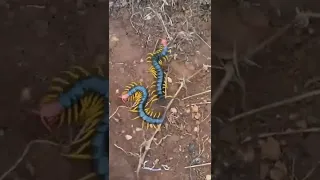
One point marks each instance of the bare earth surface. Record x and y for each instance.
(288, 67)
(186, 133)
(39, 39)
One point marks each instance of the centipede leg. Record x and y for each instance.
(60, 80)
(136, 118)
(100, 72)
(158, 127)
(134, 110)
(86, 73)
(153, 72)
(49, 98)
(145, 123)
(71, 74)
(88, 176)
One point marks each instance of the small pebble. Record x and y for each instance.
(138, 129)
(169, 80)
(194, 108)
(128, 137)
(117, 91)
(173, 110)
(195, 129)
(197, 116)
(208, 177)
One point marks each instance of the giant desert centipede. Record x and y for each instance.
(86, 99)
(157, 58)
(139, 95)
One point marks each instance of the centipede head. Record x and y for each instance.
(164, 42)
(124, 97)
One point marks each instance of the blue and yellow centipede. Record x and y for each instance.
(139, 95)
(157, 59)
(86, 102)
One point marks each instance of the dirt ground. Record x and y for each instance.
(185, 137)
(287, 67)
(38, 39)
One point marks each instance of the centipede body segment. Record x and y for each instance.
(139, 95)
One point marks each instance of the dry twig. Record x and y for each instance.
(25, 152)
(289, 132)
(311, 171)
(276, 104)
(229, 66)
(198, 165)
(117, 111)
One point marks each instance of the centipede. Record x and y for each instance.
(157, 59)
(84, 101)
(139, 95)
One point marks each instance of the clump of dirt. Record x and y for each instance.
(184, 139)
(265, 124)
